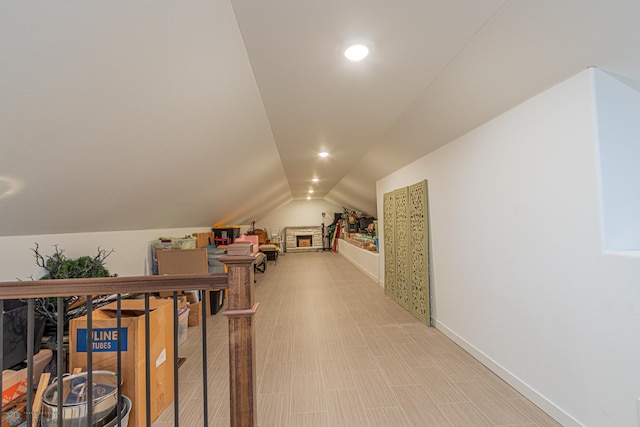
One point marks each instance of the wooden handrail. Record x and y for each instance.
(111, 285)
(240, 312)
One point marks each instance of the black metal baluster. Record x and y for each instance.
(176, 397)
(60, 354)
(205, 398)
(31, 320)
(119, 357)
(147, 355)
(89, 378)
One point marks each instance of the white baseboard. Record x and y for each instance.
(542, 402)
(352, 261)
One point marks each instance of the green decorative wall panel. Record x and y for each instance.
(403, 271)
(389, 218)
(419, 231)
(406, 249)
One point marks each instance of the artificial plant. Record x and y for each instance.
(59, 266)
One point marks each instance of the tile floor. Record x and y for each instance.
(333, 350)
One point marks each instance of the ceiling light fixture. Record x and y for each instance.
(356, 52)
(308, 197)
(310, 191)
(315, 180)
(323, 154)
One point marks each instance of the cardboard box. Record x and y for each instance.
(169, 294)
(15, 413)
(132, 338)
(184, 261)
(195, 314)
(204, 239)
(15, 383)
(192, 297)
(215, 301)
(182, 301)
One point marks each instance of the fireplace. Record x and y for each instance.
(304, 241)
(298, 239)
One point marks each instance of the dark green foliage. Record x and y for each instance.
(58, 266)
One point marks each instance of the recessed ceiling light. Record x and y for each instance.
(315, 180)
(323, 154)
(308, 197)
(356, 52)
(310, 191)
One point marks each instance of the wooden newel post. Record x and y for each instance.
(242, 336)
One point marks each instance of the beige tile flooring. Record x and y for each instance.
(333, 350)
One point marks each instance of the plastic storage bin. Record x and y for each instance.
(213, 255)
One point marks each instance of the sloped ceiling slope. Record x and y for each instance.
(136, 115)
(130, 115)
(525, 48)
(436, 71)
(316, 100)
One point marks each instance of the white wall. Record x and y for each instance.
(366, 261)
(520, 278)
(131, 256)
(132, 247)
(298, 213)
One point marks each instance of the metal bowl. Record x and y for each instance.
(74, 399)
(112, 419)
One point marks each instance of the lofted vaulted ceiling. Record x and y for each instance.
(137, 115)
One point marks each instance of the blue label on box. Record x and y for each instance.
(102, 339)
